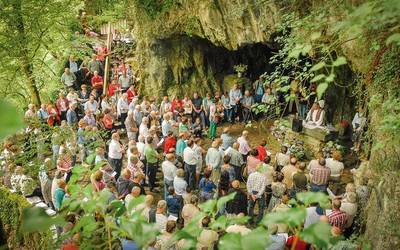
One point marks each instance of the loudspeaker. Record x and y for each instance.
(297, 125)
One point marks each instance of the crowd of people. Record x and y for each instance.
(162, 146)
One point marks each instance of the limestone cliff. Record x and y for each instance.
(188, 43)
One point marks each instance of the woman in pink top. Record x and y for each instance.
(252, 161)
(97, 181)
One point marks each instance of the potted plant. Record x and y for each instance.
(240, 69)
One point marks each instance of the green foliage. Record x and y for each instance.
(153, 7)
(11, 119)
(36, 219)
(11, 208)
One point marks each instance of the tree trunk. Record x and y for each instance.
(25, 62)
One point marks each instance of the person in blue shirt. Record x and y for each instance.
(174, 203)
(206, 186)
(72, 117)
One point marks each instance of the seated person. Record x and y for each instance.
(316, 115)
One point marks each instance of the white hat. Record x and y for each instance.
(321, 103)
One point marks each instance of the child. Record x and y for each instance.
(197, 128)
(212, 131)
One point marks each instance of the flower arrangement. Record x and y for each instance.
(240, 69)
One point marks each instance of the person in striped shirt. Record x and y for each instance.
(319, 176)
(337, 218)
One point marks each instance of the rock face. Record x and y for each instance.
(187, 44)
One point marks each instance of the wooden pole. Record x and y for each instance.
(107, 64)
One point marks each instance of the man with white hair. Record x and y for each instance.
(115, 151)
(143, 128)
(166, 126)
(30, 113)
(130, 126)
(137, 115)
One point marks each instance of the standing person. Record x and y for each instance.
(124, 81)
(59, 194)
(187, 106)
(262, 152)
(169, 142)
(278, 190)
(181, 145)
(190, 158)
(207, 102)
(68, 79)
(336, 167)
(247, 103)
(72, 117)
(227, 107)
(244, 147)
(252, 162)
(62, 106)
(161, 219)
(180, 185)
(288, 172)
(97, 83)
(94, 65)
(200, 152)
(282, 158)
(198, 109)
(42, 113)
(166, 125)
(236, 161)
(319, 176)
(45, 181)
(190, 210)
(131, 92)
(206, 186)
(256, 184)
(258, 88)
(91, 105)
(235, 96)
(169, 171)
(214, 161)
(337, 218)
(151, 162)
(227, 139)
(214, 119)
(115, 151)
(165, 106)
(130, 126)
(238, 204)
(300, 181)
(123, 108)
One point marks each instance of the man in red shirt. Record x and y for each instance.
(294, 242)
(113, 87)
(170, 142)
(97, 83)
(262, 152)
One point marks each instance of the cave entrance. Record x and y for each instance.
(194, 60)
(256, 56)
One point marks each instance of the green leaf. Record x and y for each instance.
(208, 206)
(219, 224)
(230, 241)
(284, 89)
(339, 61)
(321, 89)
(318, 78)
(35, 219)
(318, 234)
(292, 217)
(90, 159)
(308, 198)
(330, 78)
(256, 239)
(135, 202)
(223, 200)
(318, 66)
(394, 38)
(11, 119)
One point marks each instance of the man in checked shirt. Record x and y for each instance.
(256, 184)
(319, 176)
